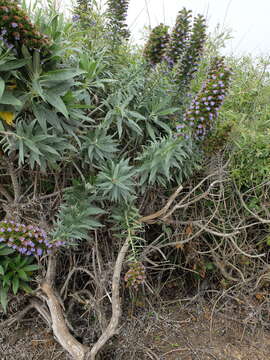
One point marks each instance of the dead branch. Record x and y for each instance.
(34, 303)
(151, 218)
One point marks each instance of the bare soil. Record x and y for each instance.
(171, 332)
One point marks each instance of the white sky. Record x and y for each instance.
(248, 19)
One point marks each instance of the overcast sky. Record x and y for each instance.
(249, 20)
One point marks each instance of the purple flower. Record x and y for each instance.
(9, 229)
(75, 17)
(14, 25)
(2, 239)
(39, 252)
(2, 230)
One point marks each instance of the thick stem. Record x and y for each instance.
(116, 304)
(60, 329)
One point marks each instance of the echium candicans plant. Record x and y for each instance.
(117, 14)
(17, 30)
(194, 51)
(200, 117)
(179, 38)
(155, 47)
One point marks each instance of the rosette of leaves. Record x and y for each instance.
(115, 181)
(16, 273)
(168, 160)
(155, 47)
(194, 51)
(179, 38)
(200, 117)
(77, 215)
(117, 14)
(98, 146)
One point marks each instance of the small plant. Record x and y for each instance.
(15, 273)
(168, 160)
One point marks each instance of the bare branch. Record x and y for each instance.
(116, 304)
(60, 329)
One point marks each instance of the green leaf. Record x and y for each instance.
(15, 285)
(56, 102)
(23, 275)
(9, 99)
(2, 271)
(4, 298)
(6, 251)
(61, 75)
(167, 111)
(13, 64)
(30, 144)
(2, 87)
(30, 267)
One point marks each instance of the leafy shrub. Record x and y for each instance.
(251, 158)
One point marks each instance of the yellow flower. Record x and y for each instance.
(12, 87)
(7, 116)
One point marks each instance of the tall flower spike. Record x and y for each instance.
(200, 117)
(179, 36)
(17, 30)
(117, 13)
(155, 47)
(194, 50)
